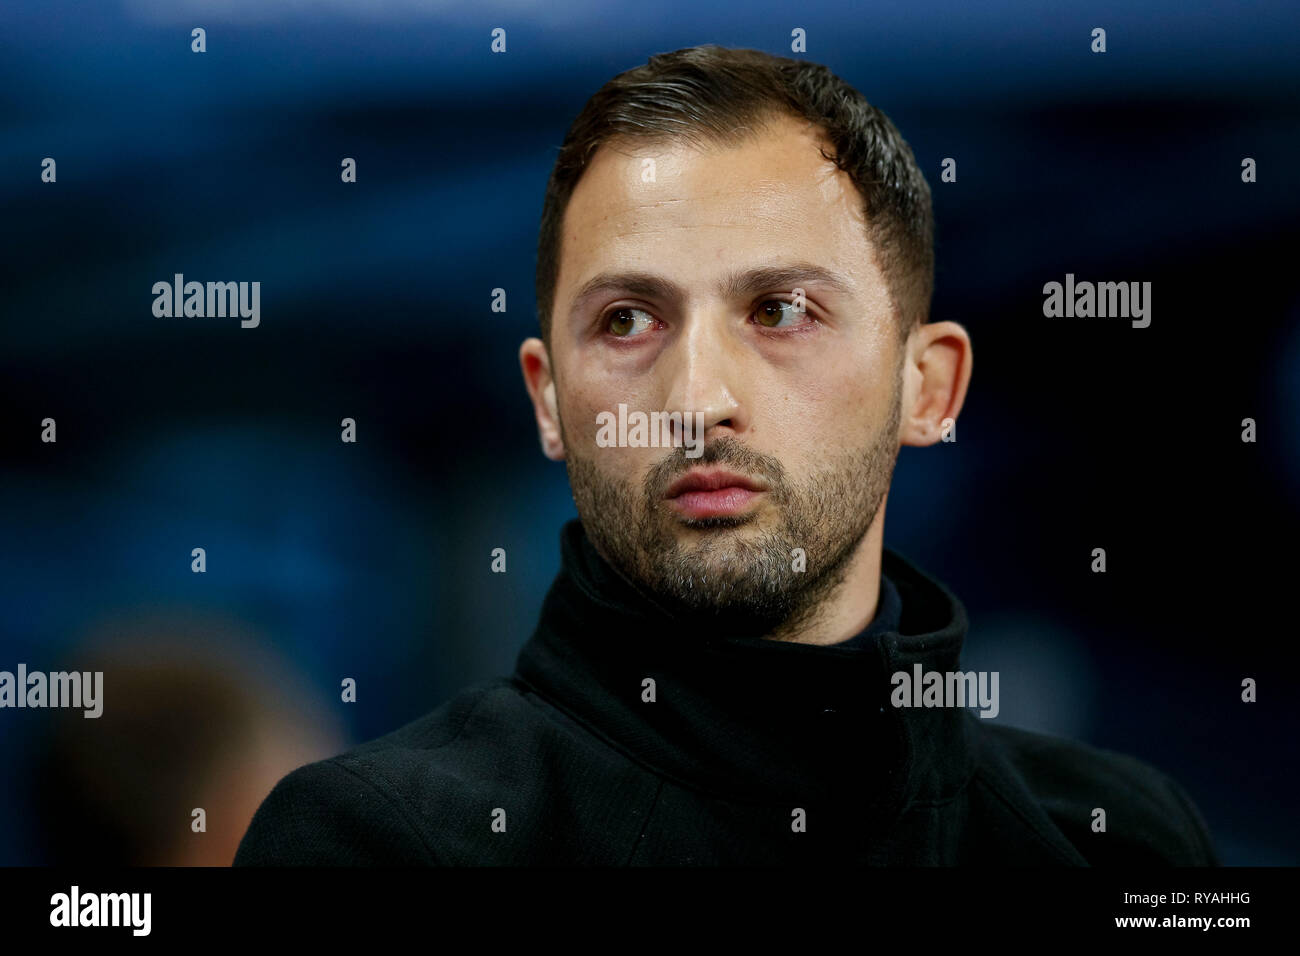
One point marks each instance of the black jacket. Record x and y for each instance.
(751, 752)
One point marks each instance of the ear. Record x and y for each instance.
(540, 382)
(936, 373)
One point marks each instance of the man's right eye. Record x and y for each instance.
(625, 323)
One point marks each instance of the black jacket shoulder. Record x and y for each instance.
(1149, 819)
(421, 796)
(355, 809)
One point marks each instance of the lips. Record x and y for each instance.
(712, 493)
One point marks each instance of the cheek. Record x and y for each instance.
(835, 403)
(580, 403)
(579, 410)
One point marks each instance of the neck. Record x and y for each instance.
(750, 719)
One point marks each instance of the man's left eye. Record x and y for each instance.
(772, 313)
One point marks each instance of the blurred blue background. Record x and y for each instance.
(372, 560)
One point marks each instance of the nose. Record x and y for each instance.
(705, 365)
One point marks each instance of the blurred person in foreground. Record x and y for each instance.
(730, 667)
(195, 718)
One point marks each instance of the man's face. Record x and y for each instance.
(800, 410)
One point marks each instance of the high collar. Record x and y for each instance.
(745, 718)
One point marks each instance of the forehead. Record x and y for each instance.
(695, 210)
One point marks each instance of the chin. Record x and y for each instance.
(720, 522)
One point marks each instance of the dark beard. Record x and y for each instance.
(733, 583)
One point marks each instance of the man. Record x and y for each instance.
(740, 246)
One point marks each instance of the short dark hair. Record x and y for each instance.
(710, 93)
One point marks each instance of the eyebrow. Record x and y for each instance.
(739, 285)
